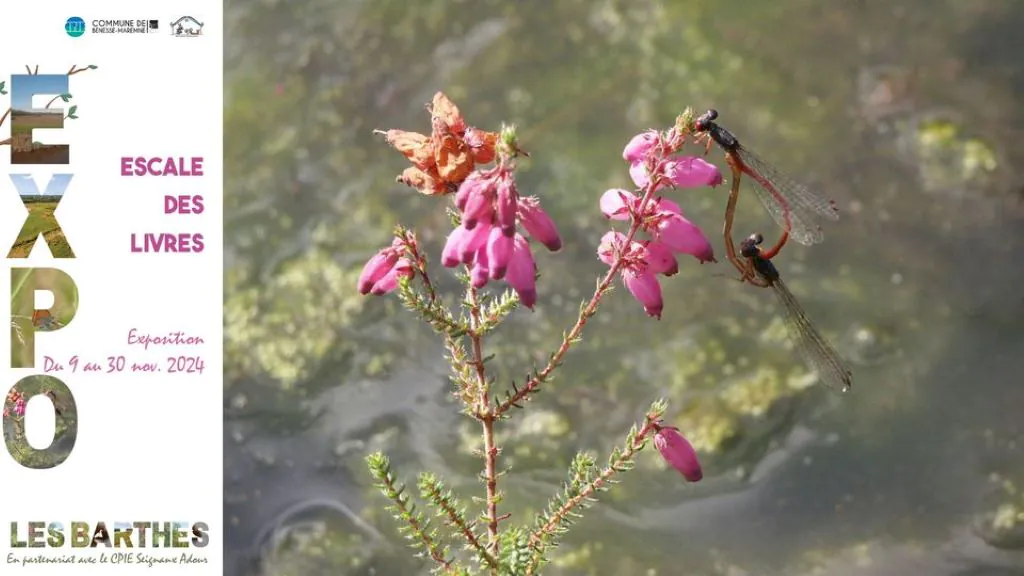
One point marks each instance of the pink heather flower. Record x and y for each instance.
(462, 245)
(475, 183)
(660, 259)
(678, 452)
(451, 254)
(538, 224)
(473, 241)
(499, 252)
(506, 209)
(492, 197)
(402, 268)
(645, 288)
(475, 198)
(379, 265)
(616, 204)
(638, 172)
(522, 272)
(692, 172)
(488, 240)
(479, 207)
(682, 172)
(639, 146)
(637, 272)
(666, 205)
(19, 407)
(619, 204)
(480, 272)
(681, 235)
(663, 219)
(611, 245)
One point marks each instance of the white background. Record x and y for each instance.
(149, 446)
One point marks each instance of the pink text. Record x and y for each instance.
(161, 166)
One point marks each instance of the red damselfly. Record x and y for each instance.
(816, 351)
(791, 204)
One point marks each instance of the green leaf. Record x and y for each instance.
(72, 110)
(92, 66)
(70, 117)
(65, 97)
(2, 91)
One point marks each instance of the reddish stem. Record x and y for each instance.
(487, 418)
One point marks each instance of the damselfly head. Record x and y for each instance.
(749, 246)
(704, 120)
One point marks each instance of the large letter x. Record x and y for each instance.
(41, 219)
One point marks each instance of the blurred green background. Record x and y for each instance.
(907, 113)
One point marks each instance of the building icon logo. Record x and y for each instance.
(186, 27)
(74, 26)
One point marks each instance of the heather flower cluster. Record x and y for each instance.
(491, 211)
(653, 167)
(488, 239)
(15, 403)
(495, 231)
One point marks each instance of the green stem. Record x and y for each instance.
(21, 284)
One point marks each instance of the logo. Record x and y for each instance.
(186, 27)
(74, 26)
(138, 26)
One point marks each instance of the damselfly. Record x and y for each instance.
(791, 204)
(816, 351)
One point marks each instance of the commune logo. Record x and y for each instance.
(137, 26)
(74, 26)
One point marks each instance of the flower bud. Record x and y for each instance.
(522, 272)
(499, 252)
(646, 289)
(507, 197)
(538, 223)
(678, 452)
(402, 268)
(376, 268)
